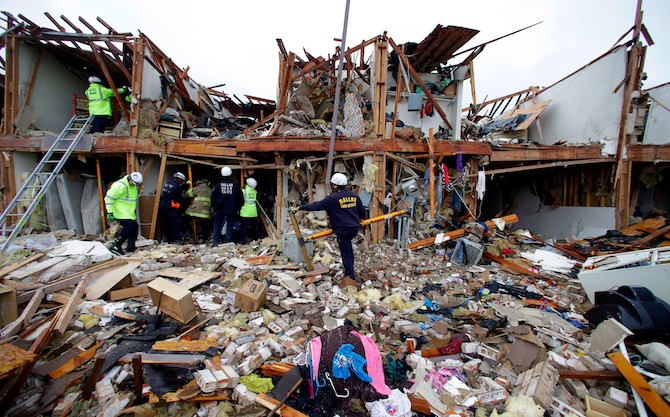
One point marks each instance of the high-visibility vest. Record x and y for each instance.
(249, 207)
(121, 199)
(100, 99)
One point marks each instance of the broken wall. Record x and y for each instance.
(53, 89)
(584, 108)
(657, 131)
(151, 81)
(561, 222)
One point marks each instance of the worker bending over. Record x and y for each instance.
(345, 211)
(170, 203)
(121, 204)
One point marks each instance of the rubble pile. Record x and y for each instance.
(217, 331)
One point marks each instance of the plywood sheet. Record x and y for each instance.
(108, 280)
(40, 266)
(189, 279)
(533, 110)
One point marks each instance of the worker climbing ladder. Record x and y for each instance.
(49, 167)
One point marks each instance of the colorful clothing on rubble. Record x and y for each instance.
(345, 361)
(375, 367)
(256, 383)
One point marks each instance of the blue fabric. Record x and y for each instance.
(459, 161)
(346, 360)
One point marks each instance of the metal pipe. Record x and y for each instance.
(102, 197)
(363, 223)
(336, 107)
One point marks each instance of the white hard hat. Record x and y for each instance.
(226, 172)
(136, 177)
(339, 179)
(94, 79)
(179, 176)
(252, 183)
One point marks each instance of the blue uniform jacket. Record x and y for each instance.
(171, 192)
(345, 210)
(227, 197)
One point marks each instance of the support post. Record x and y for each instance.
(138, 69)
(11, 83)
(378, 196)
(381, 74)
(431, 168)
(622, 195)
(280, 194)
(157, 199)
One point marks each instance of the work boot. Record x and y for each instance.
(116, 250)
(130, 249)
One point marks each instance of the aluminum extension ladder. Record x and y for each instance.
(50, 166)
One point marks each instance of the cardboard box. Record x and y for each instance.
(9, 307)
(176, 302)
(597, 408)
(251, 296)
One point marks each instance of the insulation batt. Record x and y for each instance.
(520, 406)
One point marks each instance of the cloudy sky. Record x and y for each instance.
(234, 42)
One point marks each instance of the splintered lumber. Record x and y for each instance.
(597, 375)
(511, 265)
(110, 279)
(100, 311)
(190, 279)
(11, 268)
(260, 260)
(164, 359)
(132, 292)
(12, 358)
(13, 328)
(271, 403)
(650, 397)
(420, 405)
(40, 266)
(512, 218)
(185, 345)
(276, 369)
(72, 280)
(66, 315)
(75, 362)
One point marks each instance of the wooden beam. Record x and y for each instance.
(76, 362)
(33, 77)
(66, 315)
(419, 81)
(13, 267)
(157, 199)
(431, 173)
(11, 83)
(136, 85)
(113, 49)
(378, 197)
(510, 219)
(622, 195)
(398, 92)
(595, 375)
(14, 327)
(379, 99)
(641, 386)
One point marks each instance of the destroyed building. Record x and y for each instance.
(570, 161)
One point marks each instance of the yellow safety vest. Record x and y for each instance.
(121, 200)
(249, 208)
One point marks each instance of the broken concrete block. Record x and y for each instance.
(616, 397)
(538, 383)
(104, 390)
(243, 396)
(576, 387)
(608, 335)
(488, 352)
(233, 377)
(206, 380)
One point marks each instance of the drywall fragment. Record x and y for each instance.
(608, 335)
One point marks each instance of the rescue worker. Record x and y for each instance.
(345, 211)
(170, 203)
(201, 208)
(227, 199)
(121, 204)
(100, 103)
(249, 212)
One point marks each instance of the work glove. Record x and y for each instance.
(110, 218)
(292, 210)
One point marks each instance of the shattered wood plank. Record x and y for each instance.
(71, 280)
(260, 260)
(75, 362)
(650, 397)
(597, 375)
(41, 266)
(185, 345)
(189, 279)
(173, 397)
(270, 403)
(164, 359)
(122, 294)
(108, 280)
(318, 271)
(420, 405)
(510, 219)
(23, 320)
(11, 268)
(511, 265)
(66, 315)
(12, 358)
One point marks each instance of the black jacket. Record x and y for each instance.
(345, 210)
(227, 197)
(171, 192)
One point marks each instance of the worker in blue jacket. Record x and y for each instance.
(170, 203)
(345, 212)
(227, 199)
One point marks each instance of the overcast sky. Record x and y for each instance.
(234, 42)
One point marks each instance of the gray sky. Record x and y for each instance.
(233, 42)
